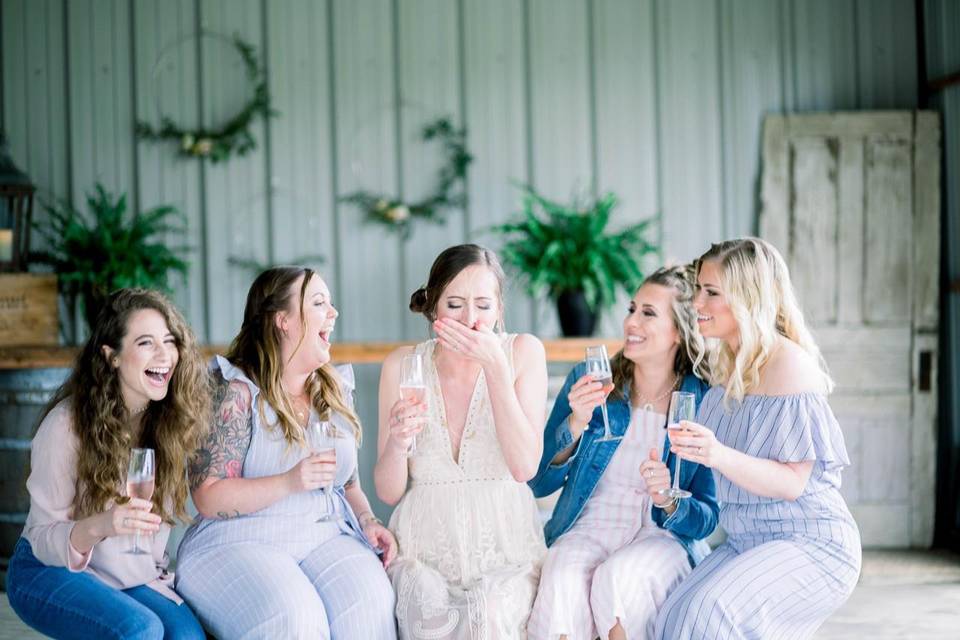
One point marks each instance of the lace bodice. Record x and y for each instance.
(480, 457)
(467, 530)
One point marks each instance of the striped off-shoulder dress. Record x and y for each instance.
(786, 565)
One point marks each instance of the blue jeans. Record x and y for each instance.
(64, 604)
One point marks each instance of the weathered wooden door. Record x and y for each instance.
(853, 202)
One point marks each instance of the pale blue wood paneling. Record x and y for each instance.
(429, 87)
(624, 60)
(556, 93)
(497, 128)
(752, 85)
(101, 100)
(34, 93)
(372, 302)
(688, 91)
(942, 26)
(562, 118)
(824, 38)
(235, 194)
(301, 138)
(166, 84)
(887, 54)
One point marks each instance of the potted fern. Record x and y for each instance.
(108, 249)
(567, 252)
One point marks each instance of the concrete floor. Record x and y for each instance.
(902, 594)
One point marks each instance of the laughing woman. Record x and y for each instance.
(618, 547)
(138, 382)
(792, 554)
(278, 552)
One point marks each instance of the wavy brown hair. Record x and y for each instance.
(691, 353)
(256, 351)
(172, 426)
(448, 266)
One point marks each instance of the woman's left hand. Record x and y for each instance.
(696, 443)
(657, 477)
(381, 538)
(478, 343)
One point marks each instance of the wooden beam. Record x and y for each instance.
(561, 350)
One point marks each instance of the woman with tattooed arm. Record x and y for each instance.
(284, 546)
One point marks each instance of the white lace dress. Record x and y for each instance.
(471, 543)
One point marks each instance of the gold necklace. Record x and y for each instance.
(300, 406)
(644, 402)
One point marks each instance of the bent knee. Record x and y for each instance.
(140, 625)
(290, 622)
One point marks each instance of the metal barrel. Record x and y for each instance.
(23, 395)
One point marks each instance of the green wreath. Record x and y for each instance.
(234, 136)
(398, 215)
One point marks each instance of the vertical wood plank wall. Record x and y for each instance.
(658, 101)
(942, 24)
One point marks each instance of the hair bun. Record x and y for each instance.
(418, 301)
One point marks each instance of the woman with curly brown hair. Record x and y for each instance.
(138, 382)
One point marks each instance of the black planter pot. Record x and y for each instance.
(576, 317)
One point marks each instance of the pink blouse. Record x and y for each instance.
(53, 474)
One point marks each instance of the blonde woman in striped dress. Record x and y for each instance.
(792, 555)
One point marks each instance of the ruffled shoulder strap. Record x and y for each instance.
(228, 372)
(348, 381)
(799, 427)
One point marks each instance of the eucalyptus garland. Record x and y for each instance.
(450, 191)
(234, 136)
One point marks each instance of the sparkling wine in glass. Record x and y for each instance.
(140, 484)
(598, 366)
(327, 445)
(682, 407)
(412, 386)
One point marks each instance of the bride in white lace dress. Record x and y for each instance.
(470, 539)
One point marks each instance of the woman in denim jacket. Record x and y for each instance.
(618, 547)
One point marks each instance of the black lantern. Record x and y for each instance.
(16, 208)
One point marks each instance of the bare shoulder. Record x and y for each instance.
(235, 394)
(791, 370)
(392, 360)
(528, 350)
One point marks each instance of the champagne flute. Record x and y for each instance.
(325, 435)
(598, 366)
(682, 407)
(412, 386)
(140, 484)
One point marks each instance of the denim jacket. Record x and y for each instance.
(694, 518)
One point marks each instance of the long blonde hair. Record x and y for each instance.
(756, 282)
(256, 351)
(172, 426)
(691, 352)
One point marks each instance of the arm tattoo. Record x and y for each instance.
(354, 480)
(222, 454)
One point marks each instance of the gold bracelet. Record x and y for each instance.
(365, 521)
(673, 503)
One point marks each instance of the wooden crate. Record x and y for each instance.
(28, 310)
